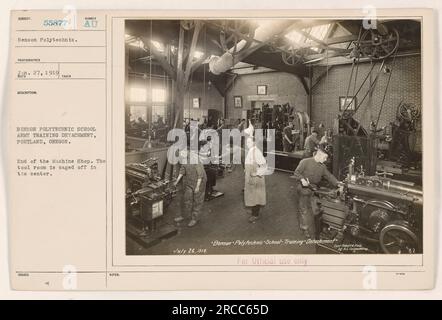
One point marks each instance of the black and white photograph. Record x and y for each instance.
(238, 101)
(283, 136)
(347, 103)
(261, 89)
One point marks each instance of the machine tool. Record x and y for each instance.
(375, 213)
(147, 199)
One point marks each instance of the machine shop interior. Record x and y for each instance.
(335, 87)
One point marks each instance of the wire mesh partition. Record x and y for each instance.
(363, 149)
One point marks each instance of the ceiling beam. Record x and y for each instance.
(343, 39)
(219, 82)
(190, 61)
(309, 36)
(323, 56)
(245, 53)
(350, 26)
(259, 60)
(331, 30)
(180, 57)
(160, 57)
(229, 83)
(339, 60)
(320, 77)
(200, 62)
(255, 44)
(300, 24)
(179, 95)
(304, 84)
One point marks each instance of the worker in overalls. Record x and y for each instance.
(210, 168)
(194, 186)
(308, 174)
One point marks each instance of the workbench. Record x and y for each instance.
(286, 161)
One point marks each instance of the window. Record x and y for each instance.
(137, 43)
(295, 37)
(137, 112)
(159, 112)
(138, 94)
(300, 38)
(134, 41)
(159, 46)
(198, 54)
(319, 32)
(158, 95)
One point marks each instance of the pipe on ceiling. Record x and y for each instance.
(263, 33)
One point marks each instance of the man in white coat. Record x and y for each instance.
(255, 169)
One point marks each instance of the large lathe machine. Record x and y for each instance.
(380, 208)
(371, 214)
(147, 199)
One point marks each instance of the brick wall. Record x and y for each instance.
(405, 84)
(209, 96)
(282, 87)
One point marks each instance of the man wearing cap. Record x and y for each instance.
(308, 174)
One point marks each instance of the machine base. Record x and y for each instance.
(150, 238)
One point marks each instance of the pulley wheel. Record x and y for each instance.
(409, 112)
(379, 43)
(397, 238)
(291, 57)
